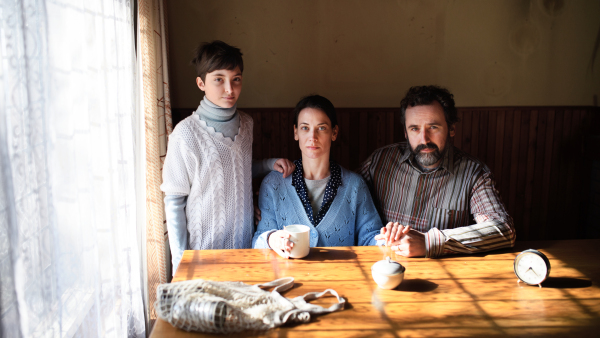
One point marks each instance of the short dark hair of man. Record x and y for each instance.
(316, 102)
(211, 56)
(426, 95)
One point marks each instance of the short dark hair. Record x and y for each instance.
(425, 95)
(211, 56)
(316, 102)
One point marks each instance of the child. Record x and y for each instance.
(207, 175)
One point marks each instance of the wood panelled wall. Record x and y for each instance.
(537, 154)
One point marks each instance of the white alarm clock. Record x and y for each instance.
(532, 267)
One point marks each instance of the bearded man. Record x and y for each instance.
(426, 189)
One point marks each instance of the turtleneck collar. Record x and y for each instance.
(210, 111)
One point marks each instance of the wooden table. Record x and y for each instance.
(474, 295)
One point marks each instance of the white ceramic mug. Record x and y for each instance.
(300, 236)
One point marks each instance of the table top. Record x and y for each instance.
(472, 295)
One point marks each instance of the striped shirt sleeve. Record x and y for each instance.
(494, 228)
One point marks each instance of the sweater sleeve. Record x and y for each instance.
(366, 172)
(176, 227)
(262, 167)
(179, 168)
(268, 222)
(368, 222)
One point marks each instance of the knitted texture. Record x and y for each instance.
(215, 171)
(224, 120)
(227, 307)
(351, 219)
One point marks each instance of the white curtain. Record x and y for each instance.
(69, 260)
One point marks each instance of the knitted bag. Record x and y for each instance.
(227, 307)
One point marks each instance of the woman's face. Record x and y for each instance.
(314, 133)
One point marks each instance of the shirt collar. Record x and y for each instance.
(335, 181)
(447, 161)
(298, 174)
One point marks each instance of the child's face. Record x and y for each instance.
(222, 87)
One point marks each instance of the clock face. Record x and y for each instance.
(532, 267)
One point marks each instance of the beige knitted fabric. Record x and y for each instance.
(227, 307)
(215, 172)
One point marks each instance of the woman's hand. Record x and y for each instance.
(284, 166)
(392, 233)
(280, 243)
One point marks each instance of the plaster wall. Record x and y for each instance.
(362, 53)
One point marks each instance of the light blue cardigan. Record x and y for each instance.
(351, 220)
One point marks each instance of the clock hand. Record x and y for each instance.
(530, 268)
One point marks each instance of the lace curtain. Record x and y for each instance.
(69, 259)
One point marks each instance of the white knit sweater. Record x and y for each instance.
(216, 174)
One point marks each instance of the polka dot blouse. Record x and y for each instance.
(330, 190)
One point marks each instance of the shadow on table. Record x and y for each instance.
(566, 283)
(416, 285)
(329, 254)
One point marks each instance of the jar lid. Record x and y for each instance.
(388, 267)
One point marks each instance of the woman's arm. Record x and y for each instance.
(267, 199)
(368, 222)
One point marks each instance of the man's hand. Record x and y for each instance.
(403, 240)
(411, 244)
(284, 166)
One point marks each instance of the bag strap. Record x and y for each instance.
(316, 309)
(303, 310)
(281, 284)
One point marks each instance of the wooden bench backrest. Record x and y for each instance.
(539, 155)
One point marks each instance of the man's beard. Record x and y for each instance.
(428, 159)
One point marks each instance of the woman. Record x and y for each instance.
(334, 202)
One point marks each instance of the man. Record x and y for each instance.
(426, 189)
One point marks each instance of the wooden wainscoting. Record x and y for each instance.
(537, 154)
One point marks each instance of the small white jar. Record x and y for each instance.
(388, 274)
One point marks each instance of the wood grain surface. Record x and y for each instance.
(469, 296)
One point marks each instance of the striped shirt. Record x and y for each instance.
(440, 202)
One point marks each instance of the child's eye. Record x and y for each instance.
(238, 79)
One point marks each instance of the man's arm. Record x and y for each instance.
(494, 228)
